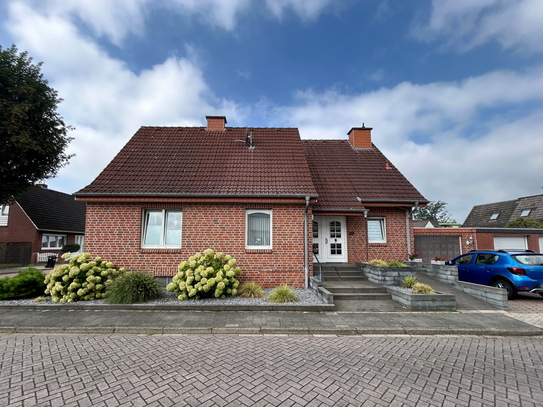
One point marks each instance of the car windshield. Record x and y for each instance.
(529, 259)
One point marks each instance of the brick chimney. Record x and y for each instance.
(216, 122)
(360, 137)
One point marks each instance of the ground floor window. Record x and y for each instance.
(258, 229)
(376, 230)
(161, 228)
(53, 241)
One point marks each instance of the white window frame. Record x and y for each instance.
(162, 244)
(261, 247)
(53, 248)
(4, 214)
(382, 222)
(494, 216)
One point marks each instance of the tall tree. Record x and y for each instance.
(33, 136)
(435, 210)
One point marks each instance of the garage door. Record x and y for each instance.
(541, 245)
(443, 246)
(510, 242)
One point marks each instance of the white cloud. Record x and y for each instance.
(306, 9)
(447, 138)
(465, 24)
(103, 99)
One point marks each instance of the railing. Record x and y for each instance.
(42, 257)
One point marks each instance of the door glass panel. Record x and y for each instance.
(315, 229)
(335, 230)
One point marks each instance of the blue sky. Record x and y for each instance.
(452, 88)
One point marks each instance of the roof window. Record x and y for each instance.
(525, 212)
(495, 216)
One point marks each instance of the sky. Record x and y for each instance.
(452, 88)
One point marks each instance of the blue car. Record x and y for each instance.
(513, 270)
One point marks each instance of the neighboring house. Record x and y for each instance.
(425, 224)
(262, 195)
(40, 221)
(484, 228)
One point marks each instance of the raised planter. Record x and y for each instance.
(438, 262)
(423, 302)
(387, 276)
(415, 261)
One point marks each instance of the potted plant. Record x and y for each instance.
(414, 257)
(439, 260)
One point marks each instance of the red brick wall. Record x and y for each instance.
(113, 231)
(395, 247)
(20, 230)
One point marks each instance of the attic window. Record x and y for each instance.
(495, 216)
(526, 212)
(4, 212)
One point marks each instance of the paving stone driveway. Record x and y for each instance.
(167, 370)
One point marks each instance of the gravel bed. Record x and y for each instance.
(305, 297)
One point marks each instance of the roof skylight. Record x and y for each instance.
(495, 216)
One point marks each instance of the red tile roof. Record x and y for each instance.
(342, 173)
(194, 161)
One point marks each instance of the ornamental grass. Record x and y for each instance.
(134, 287)
(282, 294)
(250, 289)
(409, 281)
(420, 288)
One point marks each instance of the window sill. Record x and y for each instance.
(160, 250)
(256, 251)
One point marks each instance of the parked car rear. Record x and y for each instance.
(513, 270)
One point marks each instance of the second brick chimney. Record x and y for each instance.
(360, 137)
(216, 122)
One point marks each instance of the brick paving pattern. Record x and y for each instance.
(168, 370)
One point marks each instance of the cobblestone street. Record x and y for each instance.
(164, 370)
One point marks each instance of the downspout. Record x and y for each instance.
(367, 235)
(306, 245)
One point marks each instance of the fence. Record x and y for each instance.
(16, 253)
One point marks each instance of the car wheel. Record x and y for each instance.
(511, 292)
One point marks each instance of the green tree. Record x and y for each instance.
(525, 222)
(33, 136)
(435, 210)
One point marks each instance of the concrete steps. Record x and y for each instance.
(348, 282)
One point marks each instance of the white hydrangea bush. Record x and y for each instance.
(206, 275)
(81, 279)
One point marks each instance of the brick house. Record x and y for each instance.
(262, 195)
(40, 221)
(484, 228)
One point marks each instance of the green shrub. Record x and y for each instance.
(420, 288)
(27, 283)
(409, 281)
(206, 275)
(395, 263)
(70, 248)
(81, 279)
(282, 294)
(133, 287)
(250, 289)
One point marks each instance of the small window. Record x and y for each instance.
(376, 230)
(162, 229)
(53, 241)
(258, 234)
(4, 212)
(495, 216)
(526, 212)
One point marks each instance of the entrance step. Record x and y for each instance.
(356, 290)
(339, 271)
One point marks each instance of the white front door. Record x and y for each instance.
(330, 239)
